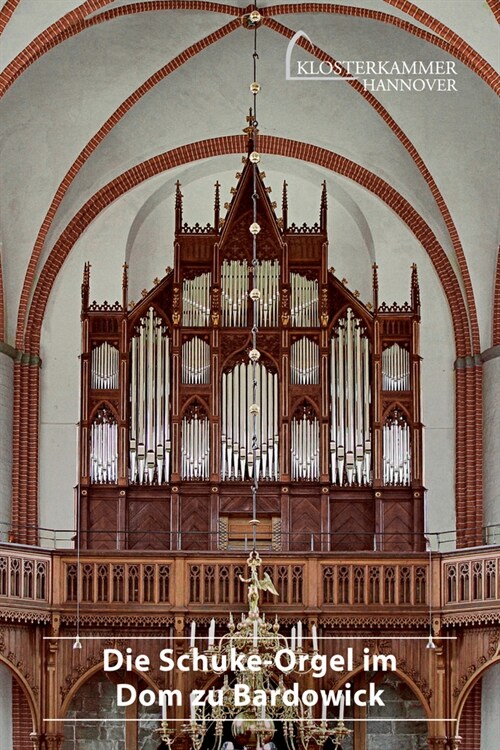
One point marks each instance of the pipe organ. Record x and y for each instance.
(172, 391)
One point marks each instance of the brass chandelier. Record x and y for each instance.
(254, 645)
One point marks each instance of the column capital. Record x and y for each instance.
(438, 743)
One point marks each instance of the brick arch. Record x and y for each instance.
(483, 68)
(76, 20)
(6, 13)
(495, 8)
(91, 672)
(495, 338)
(27, 691)
(236, 144)
(469, 686)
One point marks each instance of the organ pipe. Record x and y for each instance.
(104, 448)
(267, 280)
(396, 450)
(305, 448)
(304, 362)
(150, 441)
(303, 301)
(104, 368)
(195, 446)
(350, 434)
(395, 368)
(196, 300)
(195, 361)
(237, 461)
(234, 293)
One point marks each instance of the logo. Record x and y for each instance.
(374, 75)
(313, 70)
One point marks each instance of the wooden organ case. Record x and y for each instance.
(166, 451)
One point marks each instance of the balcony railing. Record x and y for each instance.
(334, 582)
(442, 541)
(470, 577)
(24, 575)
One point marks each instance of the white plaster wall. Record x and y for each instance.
(490, 708)
(6, 401)
(5, 709)
(491, 421)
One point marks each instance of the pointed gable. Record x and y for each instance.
(235, 238)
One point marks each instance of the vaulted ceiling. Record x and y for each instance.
(111, 102)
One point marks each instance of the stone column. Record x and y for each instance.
(491, 442)
(6, 404)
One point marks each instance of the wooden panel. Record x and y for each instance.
(397, 525)
(148, 523)
(102, 523)
(237, 503)
(352, 524)
(305, 523)
(195, 522)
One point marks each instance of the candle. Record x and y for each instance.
(315, 638)
(191, 704)
(323, 712)
(341, 707)
(292, 639)
(211, 633)
(299, 634)
(193, 634)
(164, 708)
(255, 633)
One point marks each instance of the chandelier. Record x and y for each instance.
(253, 645)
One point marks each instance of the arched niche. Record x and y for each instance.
(92, 701)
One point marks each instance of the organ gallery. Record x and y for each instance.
(169, 399)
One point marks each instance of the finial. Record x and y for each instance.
(375, 286)
(86, 286)
(125, 286)
(217, 206)
(250, 130)
(284, 205)
(323, 208)
(415, 290)
(178, 206)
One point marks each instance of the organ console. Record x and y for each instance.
(169, 394)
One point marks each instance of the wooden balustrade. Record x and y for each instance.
(463, 579)
(24, 575)
(379, 583)
(470, 577)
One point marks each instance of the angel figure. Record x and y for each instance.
(255, 584)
